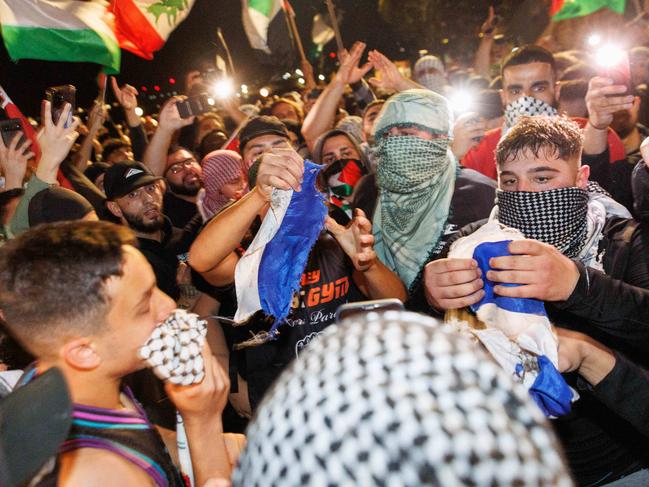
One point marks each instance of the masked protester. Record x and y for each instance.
(223, 181)
(345, 165)
(543, 193)
(530, 88)
(424, 195)
(429, 72)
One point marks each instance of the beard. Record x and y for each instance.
(622, 123)
(185, 189)
(137, 223)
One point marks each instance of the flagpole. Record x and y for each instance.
(219, 35)
(334, 24)
(290, 16)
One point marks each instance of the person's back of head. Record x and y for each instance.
(572, 98)
(392, 399)
(57, 204)
(53, 281)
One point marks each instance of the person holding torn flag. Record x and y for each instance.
(544, 234)
(299, 268)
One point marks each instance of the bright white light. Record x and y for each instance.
(210, 101)
(223, 88)
(244, 89)
(594, 40)
(286, 75)
(264, 92)
(139, 112)
(301, 81)
(299, 72)
(321, 77)
(461, 101)
(609, 56)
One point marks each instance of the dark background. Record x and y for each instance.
(415, 24)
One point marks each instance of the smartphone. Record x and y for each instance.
(58, 96)
(9, 129)
(616, 67)
(378, 305)
(194, 105)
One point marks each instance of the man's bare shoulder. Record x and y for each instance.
(95, 467)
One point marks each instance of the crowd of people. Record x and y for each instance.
(117, 223)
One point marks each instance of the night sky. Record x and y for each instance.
(26, 80)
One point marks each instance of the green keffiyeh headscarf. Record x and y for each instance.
(416, 179)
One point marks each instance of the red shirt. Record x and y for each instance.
(482, 157)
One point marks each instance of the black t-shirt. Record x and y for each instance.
(179, 211)
(326, 284)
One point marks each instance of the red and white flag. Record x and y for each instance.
(143, 26)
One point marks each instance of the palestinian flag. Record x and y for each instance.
(265, 24)
(569, 9)
(59, 30)
(143, 26)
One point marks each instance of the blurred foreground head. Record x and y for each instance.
(392, 399)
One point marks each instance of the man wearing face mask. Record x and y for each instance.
(542, 193)
(530, 89)
(424, 196)
(345, 165)
(429, 72)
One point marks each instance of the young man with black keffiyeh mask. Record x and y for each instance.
(543, 194)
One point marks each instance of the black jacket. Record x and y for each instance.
(600, 443)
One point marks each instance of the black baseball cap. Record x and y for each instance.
(123, 177)
(258, 126)
(34, 421)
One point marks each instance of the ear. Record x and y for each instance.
(557, 92)
(114, 208)
(80, 354)
(582, 177)
(502, 98)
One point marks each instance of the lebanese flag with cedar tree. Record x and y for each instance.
(143, 26)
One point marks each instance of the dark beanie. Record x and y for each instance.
(57, 204)
(94, 171)
(258, 126)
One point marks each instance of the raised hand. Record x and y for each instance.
(391, 78)
(467, 131)
(126, 95)
(13, 161)
(55, 140)
(169, 119)
(603, 99)
(349, 72)
(356, 240)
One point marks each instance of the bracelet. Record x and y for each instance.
(595, 127)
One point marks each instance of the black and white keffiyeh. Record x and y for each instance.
(527, 106)
(393, 399)
(557, 217)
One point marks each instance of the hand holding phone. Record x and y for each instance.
(10, 129)
(195, 105)
(58, 96)
(613, 64)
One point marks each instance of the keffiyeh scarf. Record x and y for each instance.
(526, 106)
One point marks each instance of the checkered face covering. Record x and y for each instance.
(174, 349)
(392, 399)
(527, 106)
(406, 162)
(557, 217)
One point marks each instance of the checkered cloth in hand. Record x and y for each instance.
(174, 349)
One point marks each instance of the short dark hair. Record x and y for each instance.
(112, 145)
(373, 103)
(529, 54)
(573, 89)
(559, 136)
(52, 279)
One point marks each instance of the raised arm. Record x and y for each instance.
(323, 114)
(482, 62)
(96, 119)
(155, 156)
(391, 78)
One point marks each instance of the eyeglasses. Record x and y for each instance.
(182, 165)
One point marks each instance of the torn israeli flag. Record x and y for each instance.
(269, 273)
(518, 332)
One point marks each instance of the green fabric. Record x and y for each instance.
(423, 109)
(416, 180)
(84, 45)
(20, 220)
(264, 7)
(581, 8)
